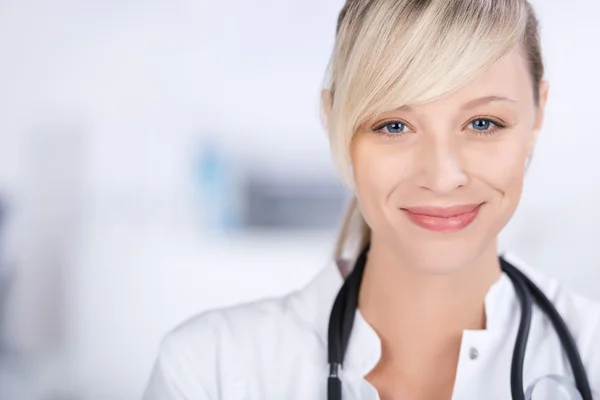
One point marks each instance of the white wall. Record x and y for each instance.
(142, 80)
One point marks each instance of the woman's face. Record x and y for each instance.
(437, 182)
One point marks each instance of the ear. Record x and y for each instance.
(539, 114)
(326, 106)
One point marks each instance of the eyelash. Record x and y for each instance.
(490, 132)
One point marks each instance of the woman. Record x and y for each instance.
(433, 108)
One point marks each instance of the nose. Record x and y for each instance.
(440, 165)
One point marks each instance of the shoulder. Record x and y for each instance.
(216, 350)
(221, 350)
(216, 333)
(305, 310)
(235, 324)
(581, 315)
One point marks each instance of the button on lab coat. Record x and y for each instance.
(277, 349)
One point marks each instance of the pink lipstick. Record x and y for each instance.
(443, 219)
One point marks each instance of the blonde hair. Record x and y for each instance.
(390, 53)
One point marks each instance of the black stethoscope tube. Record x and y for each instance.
(518, 360)
(566, 339)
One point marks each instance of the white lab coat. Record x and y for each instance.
(277, 349)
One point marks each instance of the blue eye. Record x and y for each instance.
(394, 128)
(482, 124)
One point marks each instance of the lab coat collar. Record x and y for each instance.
(364, 348)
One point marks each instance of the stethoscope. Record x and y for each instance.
(346, 303)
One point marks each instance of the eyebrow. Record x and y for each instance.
(475, 102)
(485, 100)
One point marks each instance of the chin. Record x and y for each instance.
(440, 258)
(435, 265)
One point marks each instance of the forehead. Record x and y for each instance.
(508, 77)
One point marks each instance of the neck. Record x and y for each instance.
(419, 315)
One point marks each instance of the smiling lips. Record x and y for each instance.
(447, 219)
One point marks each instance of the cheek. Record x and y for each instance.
(501, 165)
(379, 167)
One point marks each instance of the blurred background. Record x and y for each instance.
(158, 158)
